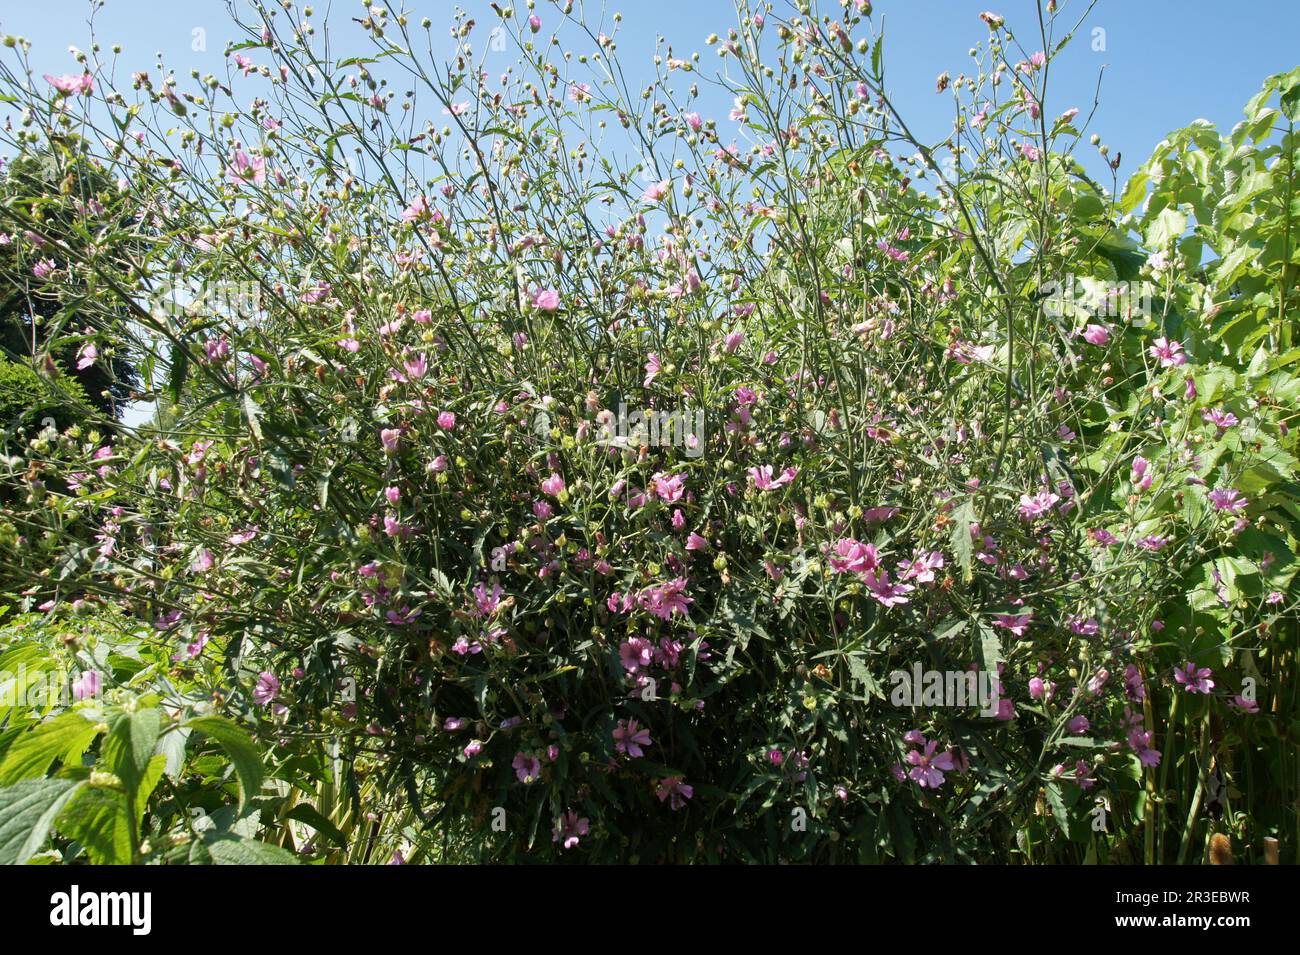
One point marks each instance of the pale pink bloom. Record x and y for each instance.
(764, 481)
(675, 791)
(652, 368)
(629, 738)
(570, 828)
(418, 209)
(732, 342)
(888, 594)
(1168, 353)
(87, 687)
(527, 768)
(553, 485)
(1227, 499)
(1036, 506)
(1096, 335)
(656, 191)
(86, 356)
(927, 768)
(853, 556)
(668, 488)
(1195, 681)
(244, 168)
(266, 689)
(447, 420)
(546, 300)
(1016, 623)
(68, 84)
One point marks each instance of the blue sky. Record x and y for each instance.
(1166, 62)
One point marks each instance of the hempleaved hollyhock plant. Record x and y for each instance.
(512, 450)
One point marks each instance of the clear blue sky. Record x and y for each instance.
(1166, 62)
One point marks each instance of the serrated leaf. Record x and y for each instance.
(64, 738)
(27, 812)
(239, 747)
(227, 850)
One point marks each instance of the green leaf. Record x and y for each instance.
(129, 747)
(1168, 225)
(308, 815)
(27, 811)
(99, 820)
(230, 850)
(1057, 801)
(961, 542)
(239, 747)
(254, 412)
(65, 738)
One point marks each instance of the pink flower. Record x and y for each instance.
(652, 368)
(764, 481)
(1096, 335)
(921, 568)
(695, 542)
(416, 368)
(732, 342)
(418, 209)
(267, 688)
(629, 738)
(67, 84)
(203, 562)
(853, 556)
(666, 599)
(669, 489)
(1168, 353)
(656, 191)
(1140, 743)
(636, 653)
(44, 268)
(693, 121)
(1140, 474)
(1223, 420)
(553, 485)
(527, 768)
(927, 768)
(1246, 706)
(546, 300)
(86, 356)
(389, 438)
(487, 601)
(1195, 681)
(570, 828)
(1016, 623)
(1078, 725)
(1227, 499)
(447, 420)
(1036, 506)
(87, 687)
(675, 790)
(888, 594)
(244, 168)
